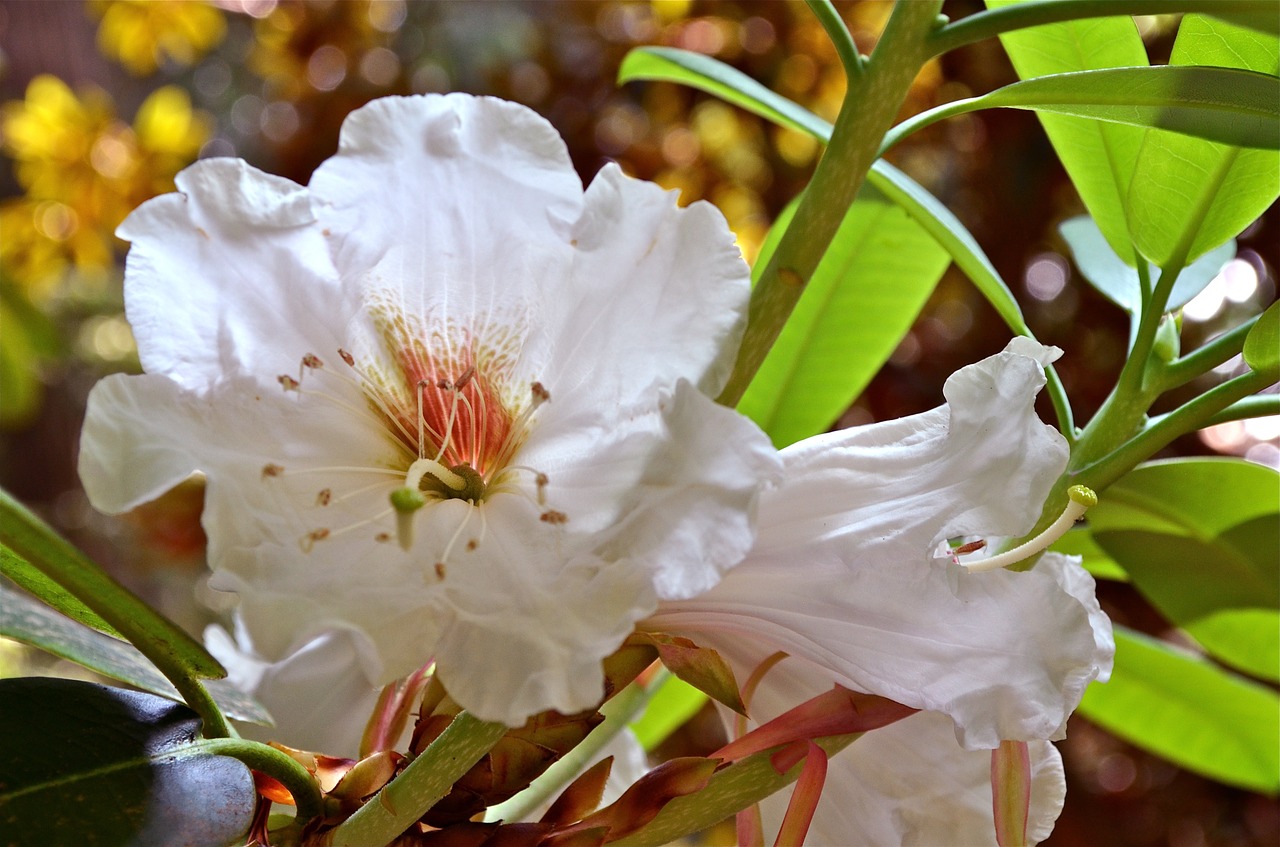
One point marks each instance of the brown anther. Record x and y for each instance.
(309, 540)
(272, 469)
(382, 537)
(347, 357)
(540, 393)
(444, 385)
(312, 361)
(289, 383)
(472, 544)
(440, 570)
(461, 382)
(541, 480)
(554, 518)
(324, 497)
(971, 547)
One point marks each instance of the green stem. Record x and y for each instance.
(1206, 357)
(1163, 430)
(988, 24)
(421, 785)
(871, 104)
(839, 34)
(730, 790)
(618, 713)
(277, 765)
(1257, 406)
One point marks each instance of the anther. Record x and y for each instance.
(439, 569)
(541, 480)
(462, 381)
(1081, 499)
(554, 518)
(271, 469)
(288, 382)
(347, 357)
(312, 361)
(308, 541)
(540, 393)
(324, 497)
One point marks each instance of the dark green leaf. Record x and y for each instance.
(1119, 282)
(28, 338)
(1198, 537)
(704, 73)
(29, 537)
(31, 622)
(1099, 157)
(84, 765)
(1267, 21)
(1262, 344)
(868, 289)
(1189, 195)
(1079, 542)
(1194, 714)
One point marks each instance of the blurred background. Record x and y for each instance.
(104, 101)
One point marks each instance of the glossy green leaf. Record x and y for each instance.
(1189, 195)
(1079, 542)
(1262, 344)
(669, 64)
(1245, 639)
(672, 705)
(29, 337)
(1191, 712)
(24, 574)
(864, 296)
(1267, 21)
(31, 539)
(1198, 537)
(25, 619)
(1099, 157)
(1219, 104)
(84, 764)
(1119, 283)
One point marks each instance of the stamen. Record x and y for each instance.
(309, 540)
(288, 382)
(554, 518)
(1081, 499)
(325, 497)
(422, 384)
(272, 469)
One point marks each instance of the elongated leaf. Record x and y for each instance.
(866, 293)
(33, 580)
(1267, 21)
(1198, 537)
(1190, 195)
(673, 703)
(25, 619)
(1219, 104)
(29, 537)
(704, 73)
(1079, 542)
(1194, 714)
(1262, 344)
(1119, 283)
(1099, 157)
(85, 764)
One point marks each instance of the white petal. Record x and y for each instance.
(230, 276)
(671, 483)
(317, 695)
(842, 573)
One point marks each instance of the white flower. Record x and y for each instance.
(444, 310)
(850, 576)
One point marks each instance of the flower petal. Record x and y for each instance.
(230, 276)
(842, 574)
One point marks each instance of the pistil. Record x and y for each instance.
(1079, 502)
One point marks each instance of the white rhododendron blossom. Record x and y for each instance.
(443, 397)
(851, 576)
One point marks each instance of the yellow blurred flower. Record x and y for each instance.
(304, 47)
(141, 33)
(83, 170)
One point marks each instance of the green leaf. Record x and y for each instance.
(672, 705)
(25, 619)
(29, 337)
(1262, 344)
(1219, 104)
(1243, 638)
(30, 538)
(85, 764)
(1119, 282)
(1267, 21)
(862, 299)
(1189, 195)
(1198, 537)
(1192, 713)
(1099, 157)
(669, 64)
(33, 580)
(1079, 542)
